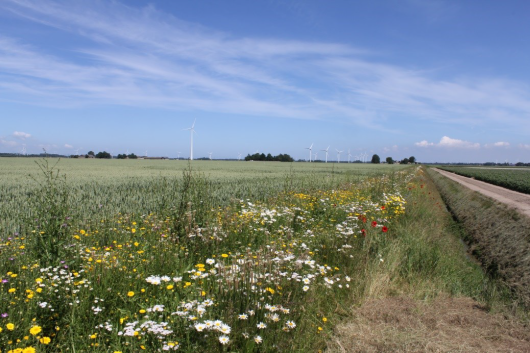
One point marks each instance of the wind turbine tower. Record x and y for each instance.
(210, 153)
(192, 130)
(338, 155)
(326, 150)
(310, 148)
(239, 157)
(178, 155)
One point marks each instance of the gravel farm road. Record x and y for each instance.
(511, 198)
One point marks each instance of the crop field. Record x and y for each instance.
(106, 187)
(510, 178)
(125, 256)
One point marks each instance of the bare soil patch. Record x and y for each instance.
(443, 325)
(513, 199)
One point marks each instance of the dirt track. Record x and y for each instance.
(514, 199)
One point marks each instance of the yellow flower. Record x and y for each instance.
(130, 294)
(45, 340)
(12, 290)
(133, 230)
(142, 311)
(224, 255)
(29, 350)
(35, 330)
(170, 286)
(10, 326)
(324, 319)
(94, 336)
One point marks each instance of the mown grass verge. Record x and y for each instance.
(499, 237)
(424, 261)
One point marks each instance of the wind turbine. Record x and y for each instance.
(23, 152)
(178, 157)
(338, 155)
(239, 158)
(145, 156)
(316, 156)
(210, 153)
(326, 150)
(192, 130)
(310, 148)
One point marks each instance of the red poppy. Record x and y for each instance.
(374, 223)
(384, 229)
(363, 232)
(383, 207)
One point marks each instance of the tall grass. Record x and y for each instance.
(203, 270)
(216, 265)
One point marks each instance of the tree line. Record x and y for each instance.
(389, 160)
(269, 157)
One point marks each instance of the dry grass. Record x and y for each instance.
(442, 325)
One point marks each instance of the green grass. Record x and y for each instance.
(292, 250)
(107, 187)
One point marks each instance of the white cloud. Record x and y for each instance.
(68, 146)
(455, 143)
(501, 144)
(524, 146)
(447, 142)
(498, 144)
(424, 143)
(7, 143)
(21, 135)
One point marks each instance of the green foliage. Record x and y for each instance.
(48, 224)
(389, 160)
(103, 155)
(376, 159)
(269, 157)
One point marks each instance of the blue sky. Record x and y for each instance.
(443, 81)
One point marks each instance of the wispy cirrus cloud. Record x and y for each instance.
(143, 57)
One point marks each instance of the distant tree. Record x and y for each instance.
(412, 160)
(74, 156)
(389, 160)
(376, 159)
(103, 155)
(91, 153)
(405, 161)
(132, 156)
(269, 157)
(122, 156)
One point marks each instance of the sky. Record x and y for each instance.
(444, 81)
